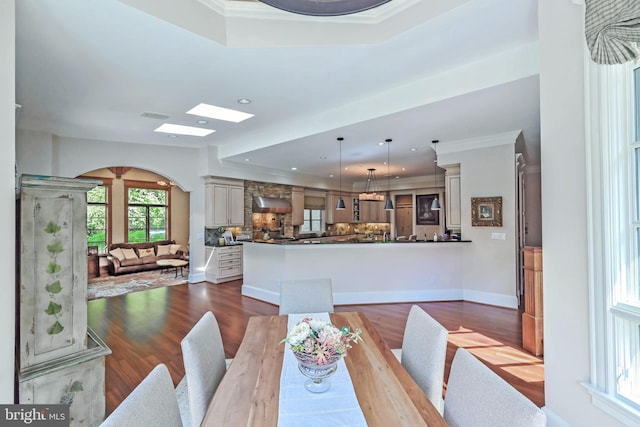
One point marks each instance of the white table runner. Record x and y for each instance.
(298, 407)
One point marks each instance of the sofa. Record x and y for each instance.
(136, 257)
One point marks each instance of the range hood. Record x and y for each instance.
(271, 205)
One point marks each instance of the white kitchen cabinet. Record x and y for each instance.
(224, 203)
(453, 214)
(224, 263)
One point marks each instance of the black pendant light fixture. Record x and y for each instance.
(388, 205)
(340, 205)
(324, 7)
(435, 205)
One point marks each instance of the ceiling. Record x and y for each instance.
(409, 70)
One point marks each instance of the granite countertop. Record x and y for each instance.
(352, 240)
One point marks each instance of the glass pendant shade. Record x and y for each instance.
(388, 205)
(435, 205)
(340, 204)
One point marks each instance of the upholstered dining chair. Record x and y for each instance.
(423, 353)
(306, 296)
(476, 396)
(153, 403)
(204, 365)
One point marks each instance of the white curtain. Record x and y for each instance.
(612, 30)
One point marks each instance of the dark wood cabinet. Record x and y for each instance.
(93, 266)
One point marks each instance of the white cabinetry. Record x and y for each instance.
(452, 189)
(224, 263)
(224, 203)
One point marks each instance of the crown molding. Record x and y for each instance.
(460, 145)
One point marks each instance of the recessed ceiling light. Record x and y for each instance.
(172, 135)
(397, 176)
(294, 168)
(380, 143)
(413, 149)
(183, 130)
(244, 101)
(202, 122)
(219, 113)
(247, 160)
(404, 169)
(330, 175)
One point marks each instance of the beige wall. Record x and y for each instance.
(179, 204)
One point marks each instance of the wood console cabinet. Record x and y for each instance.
(60, 360)
(532, 318)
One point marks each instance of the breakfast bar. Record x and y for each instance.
(361, 273)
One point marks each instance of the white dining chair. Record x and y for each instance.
(306, 296)
(476, 396)
(152, 403)
(204, 366)
(423, 353)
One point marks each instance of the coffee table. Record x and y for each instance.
(175, 264)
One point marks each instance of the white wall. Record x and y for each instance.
(564, 217)
(491, 267)
(7, 208)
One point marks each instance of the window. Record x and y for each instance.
(147, 214)
(97, 209)
(312, 220)
(615, 240)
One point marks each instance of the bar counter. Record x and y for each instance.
(362, 272)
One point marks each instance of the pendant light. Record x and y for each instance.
(388, 205)
(435, 205)
(340, 205)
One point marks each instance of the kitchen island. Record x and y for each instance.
(361, 273)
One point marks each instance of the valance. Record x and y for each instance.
(612, 30)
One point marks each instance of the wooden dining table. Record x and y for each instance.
(249, 391)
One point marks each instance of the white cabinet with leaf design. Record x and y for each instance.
(60, 359)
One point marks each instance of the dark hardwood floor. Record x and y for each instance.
(145, 328)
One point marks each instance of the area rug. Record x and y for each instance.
(111, 286)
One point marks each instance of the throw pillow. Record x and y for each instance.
(145, 252)
(129, 253)
(117, 253)
(164, 250)
(174, 249)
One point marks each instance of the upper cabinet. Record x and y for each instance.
(452, 190)
(373, 212)
(297, 206)
(332, 214)
(224, 203)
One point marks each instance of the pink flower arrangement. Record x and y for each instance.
(318, 341)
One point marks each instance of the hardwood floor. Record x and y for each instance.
(145, 328)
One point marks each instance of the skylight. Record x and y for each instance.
(183, 130)
(219, 113)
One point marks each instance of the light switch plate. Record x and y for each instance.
(498, 236)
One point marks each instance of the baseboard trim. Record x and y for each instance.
(386, 297)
